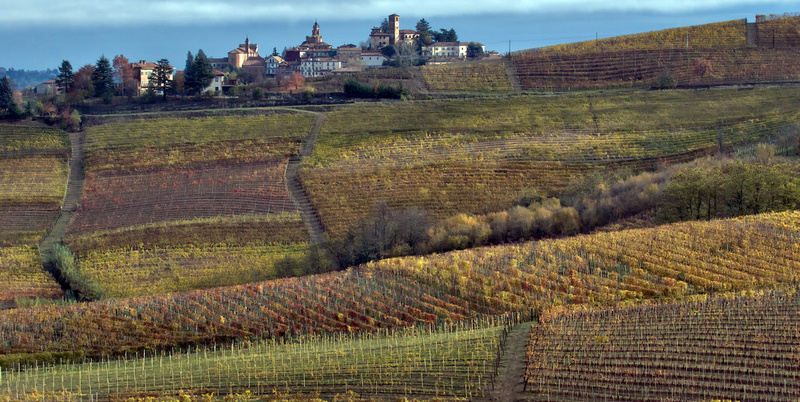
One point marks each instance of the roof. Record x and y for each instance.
(279, 59)
(144, 66)
(408, 31)
(218, 73)
(372, 54)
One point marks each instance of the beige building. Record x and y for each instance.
(379, 39)
(141, 74)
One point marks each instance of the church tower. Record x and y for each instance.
(315, 36)
(394, 25)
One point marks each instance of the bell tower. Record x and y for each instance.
(394, 25)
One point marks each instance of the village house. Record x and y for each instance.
(273, 65)
(48, 87)
(141, 74)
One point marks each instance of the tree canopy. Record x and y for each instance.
(474, 50)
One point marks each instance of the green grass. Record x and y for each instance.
(456, 361)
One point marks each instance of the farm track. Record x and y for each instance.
(295, 187)
(513, 76)
(509, 384)
(68, 207)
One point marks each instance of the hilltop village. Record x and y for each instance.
(388, 45)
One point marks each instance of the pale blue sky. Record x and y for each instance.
(38, 34)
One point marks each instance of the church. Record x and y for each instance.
(243, 57)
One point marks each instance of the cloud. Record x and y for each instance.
(147, 12)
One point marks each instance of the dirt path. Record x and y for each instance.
(295, 187)
(508, 384)
(512, 76)
(68, 207)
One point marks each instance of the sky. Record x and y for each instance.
(39, 34)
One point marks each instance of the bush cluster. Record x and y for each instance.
(355, 89)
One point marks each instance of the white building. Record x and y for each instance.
(315, 67)
(216, 83)
(448, 49)
(273, 65)
(372, 59)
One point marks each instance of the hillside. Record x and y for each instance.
(668, 261)
(177, 204)
(478, 155)
(33, 180)
(725, 53)
(206, 251)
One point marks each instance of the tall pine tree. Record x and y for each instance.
(8, 107)
(203, 73)
(103, 78)
(161, 78)
(189, 81)
(66, 78)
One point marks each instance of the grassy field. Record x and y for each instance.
(455, 361)
(477, 155)
(733, 346)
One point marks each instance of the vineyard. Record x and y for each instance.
(114, 201)
(454, 361)
(33, 180)
(21, 273)
(476, 156)
(669, 261)
(731, 347)
(472, 77)
(711, 54)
